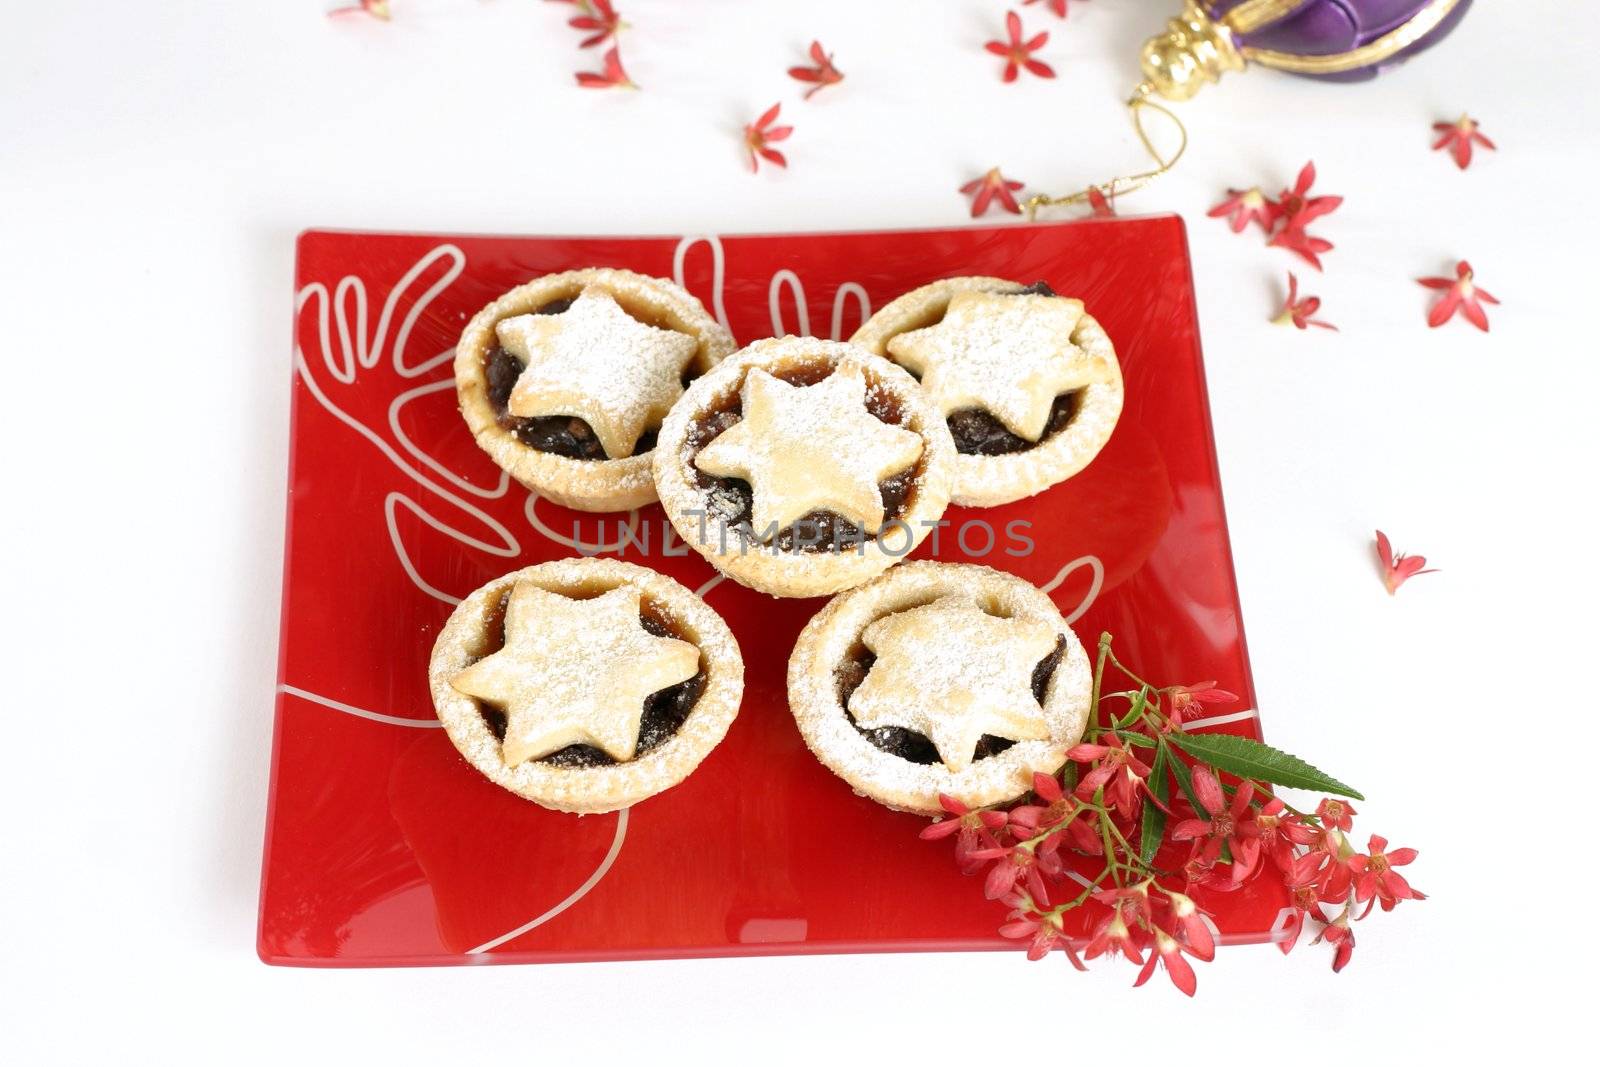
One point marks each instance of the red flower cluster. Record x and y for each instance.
(1285, 219)
(1110, 807)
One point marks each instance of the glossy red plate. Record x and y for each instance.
(384, 847)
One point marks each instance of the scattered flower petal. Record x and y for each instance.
(1459, 137)
(759, 136)
(378, 9)
(1019, 53)
(1059, 7)
(599, 17)
(819, 76)
(1302, 244)
(1244, 206)
(1397, 570)
(1298, 207)
(612, 76)
(1298, 312)
(993, 187)
(1461, 294)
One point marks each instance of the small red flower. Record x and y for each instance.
(1298, 312)
(1116, 768)
(601, 18)
(976, 828)
(1281, 831)
(612, 76)
(1170, 955)
(760, 134)
(1057, 806)
(378, 9)
(1307, 246)
(1099, 206)
(1045, 933)
(1397, 570)
(1341, 937)
(1017, 865)
(1244, 206)
(993, 187)
(1298, 207)
(1113, 936)
(1131, 902)
(1303, 878)
(1230, 825)
(819, 76)
(1184, 701)
(1376, 878)
(1019, 53)
(1188, 922)
(1459, 136)
(1463, 295)
(1057, 6)
(1336, 814)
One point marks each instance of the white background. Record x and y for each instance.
(156, 161)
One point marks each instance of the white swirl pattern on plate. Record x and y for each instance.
(356, 352)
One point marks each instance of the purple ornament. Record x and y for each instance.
(1337, 27)
(1341, 40)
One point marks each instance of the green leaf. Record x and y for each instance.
(1136, 706)
(1153, 824)
(1180, 771)
(1263, 763)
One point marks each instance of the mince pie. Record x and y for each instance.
(585, 685)
(564, 381)
(1028, 382)
(801, 467)
(940, 678)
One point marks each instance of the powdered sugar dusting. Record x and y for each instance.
(829, 638)
(1010, 354)
(589, 485)
(599, 788)
(598, 363)
(811, 448)
(704, 514)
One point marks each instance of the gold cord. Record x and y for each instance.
(1126, 183)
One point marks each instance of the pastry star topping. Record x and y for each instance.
(575, 672)
(952, 672)
(806, 448)
(1010, 354)
(596, 362)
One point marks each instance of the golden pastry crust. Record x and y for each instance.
(835, 633)
(600, 788)
(585, 484)
(700, 515)
(987, 481)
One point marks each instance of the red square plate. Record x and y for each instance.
(384, 847)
